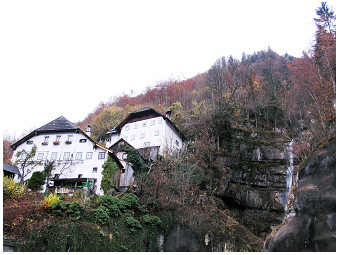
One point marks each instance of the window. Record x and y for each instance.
(156, 132)
(66, 155)
(89, 155)
(127, 127)
(40, 156)
(125, 156)
(69, 138)
(101, 155)
(82, 140)
(94, 170)
(125, 138)
(144, 124)
(152, 122)
(132, 137)
(79, 155)
(58, 138)
(29, 142)
(80, 175)
(147, 144)
(160, 121)
(54, 155)
(46, 139)
(135, 126)
(142, 135)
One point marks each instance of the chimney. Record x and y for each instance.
(88, 131)
(168, 114)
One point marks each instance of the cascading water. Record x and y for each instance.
(289, 173)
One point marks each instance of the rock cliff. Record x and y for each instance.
(310, 226)
(253, 183)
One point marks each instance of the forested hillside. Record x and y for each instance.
(278, 92)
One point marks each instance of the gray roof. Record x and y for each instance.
(58, 124)
(11, 168)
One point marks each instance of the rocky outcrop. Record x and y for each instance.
(311, 226)
(254, 183)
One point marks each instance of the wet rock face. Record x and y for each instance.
(254, 181)
(313, 227)
(181, 239)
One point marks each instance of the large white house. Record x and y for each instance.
(78, 158)
(147, 129)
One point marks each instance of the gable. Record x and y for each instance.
(144, 114)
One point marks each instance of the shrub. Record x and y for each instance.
(11, 190)
(151, 220)
(58, 208)
(100, 215)
(110, 168)
(132, 223)
(111, 203)
(128, 201)
(76, 209)
(36, 181)
(48, 201)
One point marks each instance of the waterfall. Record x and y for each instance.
(289, 173)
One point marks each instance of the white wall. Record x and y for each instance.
(81, 166)
(148, 133)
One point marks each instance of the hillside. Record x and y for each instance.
(243, 120)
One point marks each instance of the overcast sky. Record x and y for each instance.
(64, 57)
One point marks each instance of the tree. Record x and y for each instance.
(7, 140)
(36, 181)
(110, 168)
(26, 162)
(326, 18)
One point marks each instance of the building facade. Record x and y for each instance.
(77, 158)
(148, 129)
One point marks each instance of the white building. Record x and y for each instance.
(78, 158)
(147, 129)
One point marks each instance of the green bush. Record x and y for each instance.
(132, 223)
(151, 220)
(110, 168)
(11, 190)
(75, 209)
(100, 215)
(36, 181)
(128, 201)
(112, 204)
(58, 208)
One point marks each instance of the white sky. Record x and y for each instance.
(64, 57)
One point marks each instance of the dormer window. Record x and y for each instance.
(45, 142)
